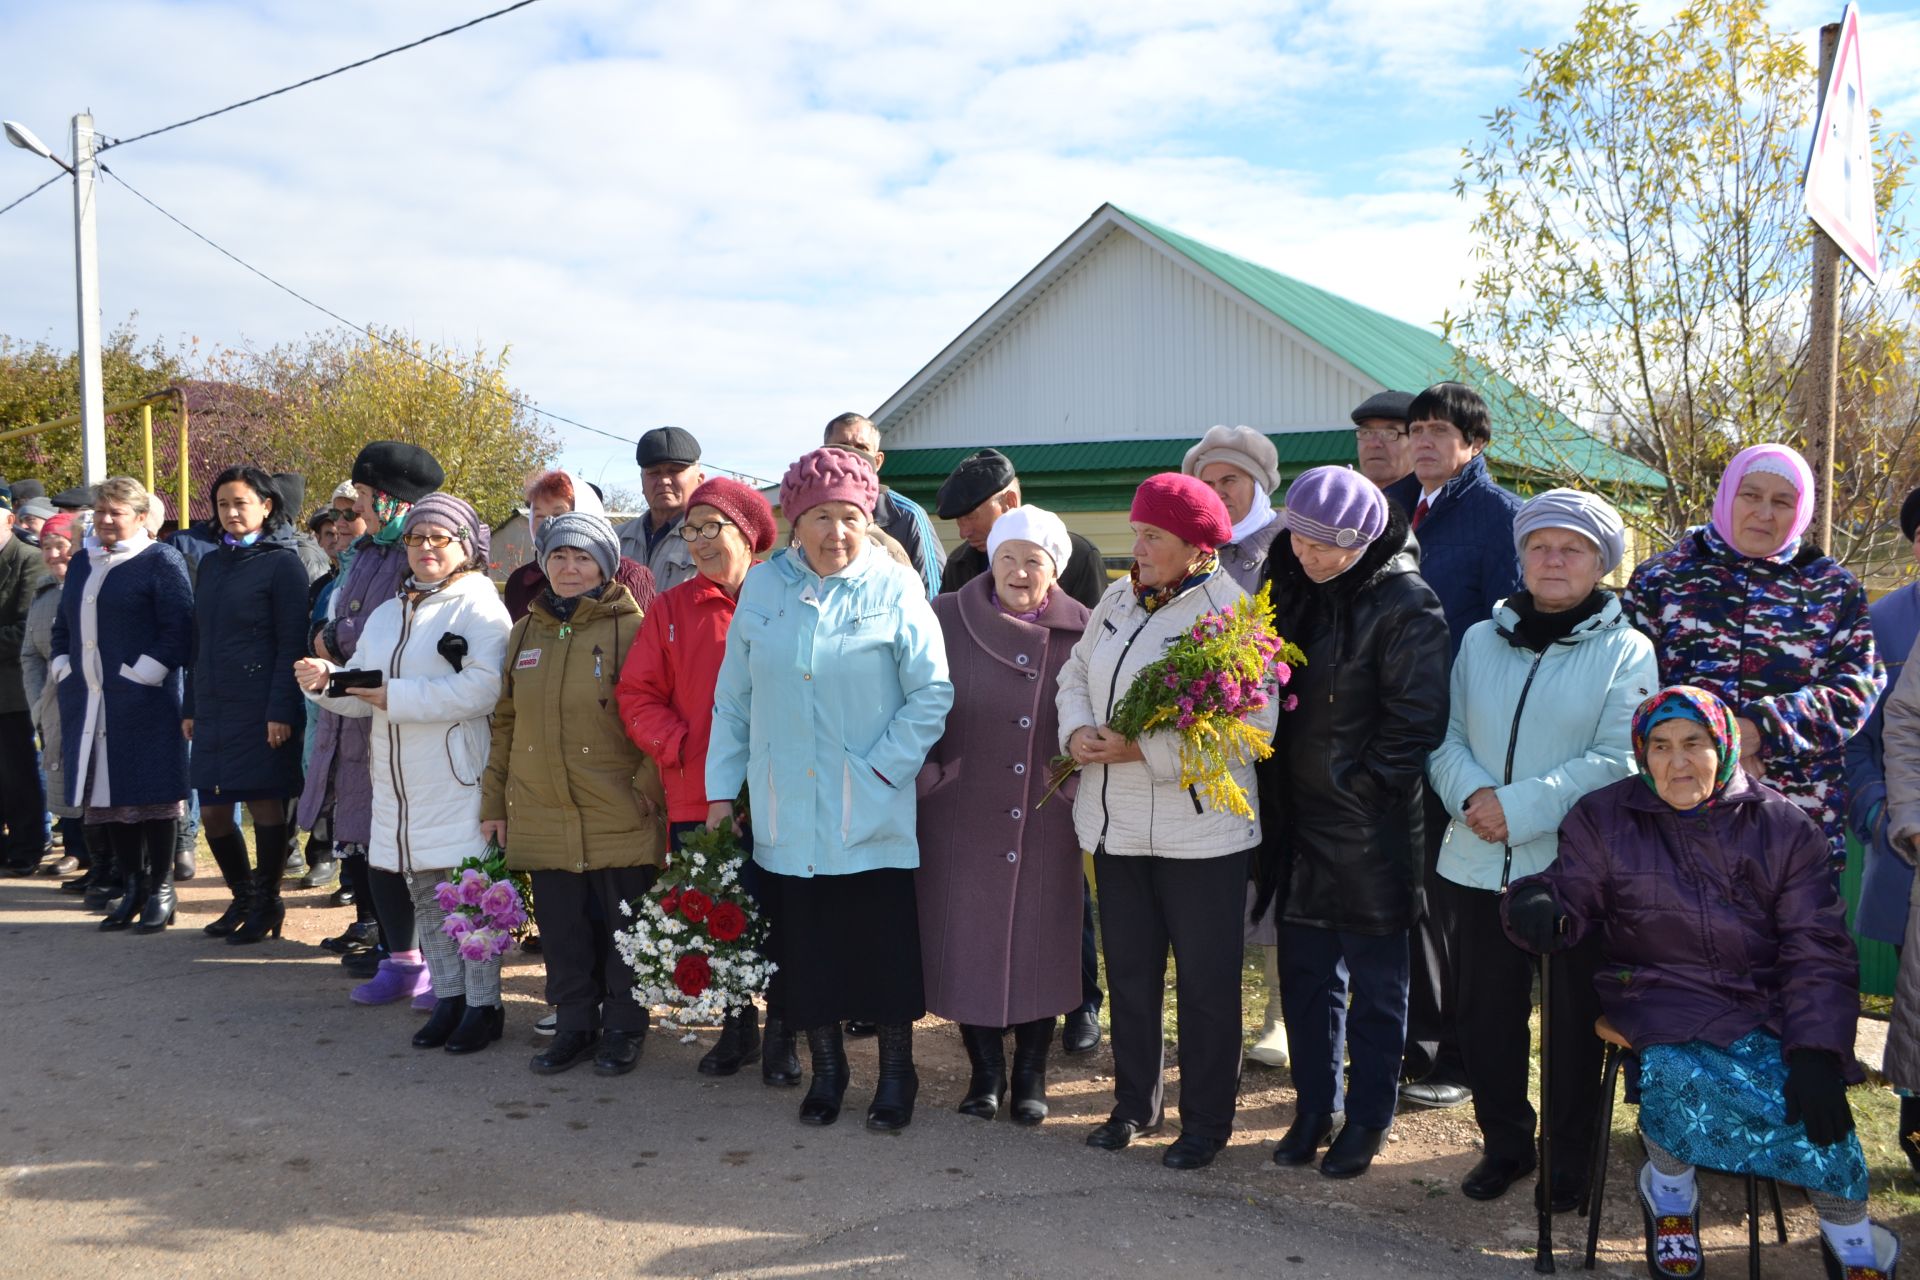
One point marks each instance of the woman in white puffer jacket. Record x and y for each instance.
(439, 646)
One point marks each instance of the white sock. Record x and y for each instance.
(1673, 1192)
(1853, 1242)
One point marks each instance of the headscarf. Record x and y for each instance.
(392, 514)
(1689, 702)
(1774, 459)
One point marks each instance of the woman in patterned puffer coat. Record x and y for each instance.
(1774, 626)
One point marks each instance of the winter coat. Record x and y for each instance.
(313, 561)
(21, 573)
(1084, 578)
(999, 884)
(119, 641)
(1540, 729)
(43, 699)
(250, 627)
(666, 689)
(905, 521)
(428, 749)
(1785, 642)
(1712, 922)
(1886, 882)
(524, 585)
(1246, 560)
(575, 793)
(337, 771)
(1466, 543)
(671, 560)
(831, 693)
(1139, 808)
(1342, 792)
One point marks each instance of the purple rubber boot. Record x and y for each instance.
(400, 977)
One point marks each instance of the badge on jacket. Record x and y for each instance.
(527, 658)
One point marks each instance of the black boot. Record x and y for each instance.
(829, 1052)
(103, 878)
(738, 1045)
(899, 1083)
(446, 1015)
(230, 855)
(987, 1052)
(265, 911)
(1031, 1043)
(479, 1027)
(779, 1064)
(158, 837)
(129, 854)
(1910, 1131)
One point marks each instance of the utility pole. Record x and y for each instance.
(86, 268)
(1823, 335)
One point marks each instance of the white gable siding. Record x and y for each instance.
(1131, 344)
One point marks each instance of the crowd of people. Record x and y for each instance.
(1488, 755)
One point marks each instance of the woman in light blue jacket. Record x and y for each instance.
(833, 690)
(1542, 704)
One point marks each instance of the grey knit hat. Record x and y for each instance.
(590, 533)
(1591, 517)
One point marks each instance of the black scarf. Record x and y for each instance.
(562, 607)
(1536, 630)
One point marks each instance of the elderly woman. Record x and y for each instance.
(250, 623)
(438, 649)
(571, 800)
(666, 702)
(123, 632)
(833, 689)
(57, 540)
(1774, 626)
(1170, 871)
(1344, 802)
(1725, 962)
(1543, 695)
(1000, 882)
(553, 493)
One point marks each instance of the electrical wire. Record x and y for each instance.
(325, 75)
(31, 194)
(377, 336)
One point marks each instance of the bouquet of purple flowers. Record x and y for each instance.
(483, 906)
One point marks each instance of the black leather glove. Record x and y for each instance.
(1816, 1094)
(1534, 918)
(453, 647)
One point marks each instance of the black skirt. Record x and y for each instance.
(848, 947)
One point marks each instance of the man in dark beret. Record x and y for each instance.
(669, 459)
(1380, 435)
(899, 517)
(981, 490)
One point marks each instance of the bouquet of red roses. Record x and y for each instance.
(695, 941)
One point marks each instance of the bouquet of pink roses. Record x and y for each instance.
(483, 907)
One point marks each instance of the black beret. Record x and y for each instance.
(78, 498)
(667, 444)
(978, 477)
(24, 489)
(1910, 516)
(293, 492)
(406, 471)
(1385, 404)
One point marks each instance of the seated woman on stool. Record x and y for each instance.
(1726, 963)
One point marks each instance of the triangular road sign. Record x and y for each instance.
(1839, 186)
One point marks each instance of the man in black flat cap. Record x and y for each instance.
(981, 490)
(1380, 436)
(669, 459)
(899, 517)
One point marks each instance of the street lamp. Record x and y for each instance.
(86, 271)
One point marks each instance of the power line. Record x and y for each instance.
(377, 336)
(415, 44)
(36, 191)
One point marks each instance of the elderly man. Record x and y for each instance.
(1380, 438)
(899, 517)
(669, 472)
(29, 516)
(981, 490)
(23, 800)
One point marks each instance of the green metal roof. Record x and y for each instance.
(1298, 449)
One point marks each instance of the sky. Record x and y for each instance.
(744, 218)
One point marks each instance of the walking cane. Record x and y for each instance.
(1543, 1192)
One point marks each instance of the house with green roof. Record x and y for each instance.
(1118, 351)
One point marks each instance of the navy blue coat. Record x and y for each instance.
(1466, 544)
(145, 611)
(250, 627)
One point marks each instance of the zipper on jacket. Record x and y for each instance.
(1513, 742)
(403, 859)
(1113, 685)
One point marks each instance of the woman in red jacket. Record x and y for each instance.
(666, 702)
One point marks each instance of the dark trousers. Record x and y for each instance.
(1319, 968)
(1494, 997)
(23, 795)
(1432, 1041)
(393, 909)
(1192, 905)
(588, 984)
(1090, 997)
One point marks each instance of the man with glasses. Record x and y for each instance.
(899, 517)
(1380, 438)
(669, 471)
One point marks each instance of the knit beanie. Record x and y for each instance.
(828, 475)
(456, 515)
(1182, 506)
(1592, 518)
(583, 529)
(1336, 506)
(1242, 447)
(743, 504)
(1031, 524)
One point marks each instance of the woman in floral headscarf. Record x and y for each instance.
(1746, 607)
(1727, 965)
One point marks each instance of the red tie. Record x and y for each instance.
(1419, 513)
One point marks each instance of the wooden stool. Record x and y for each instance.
(1617, 1047)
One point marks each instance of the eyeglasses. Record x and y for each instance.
(710, 530)
(1380, 435)
(436, 541)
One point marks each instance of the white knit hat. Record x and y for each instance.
(1032, 524)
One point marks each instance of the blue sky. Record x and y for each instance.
(743, 218)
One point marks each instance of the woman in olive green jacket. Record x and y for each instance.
(573, 801)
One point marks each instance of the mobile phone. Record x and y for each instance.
(340, 681)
